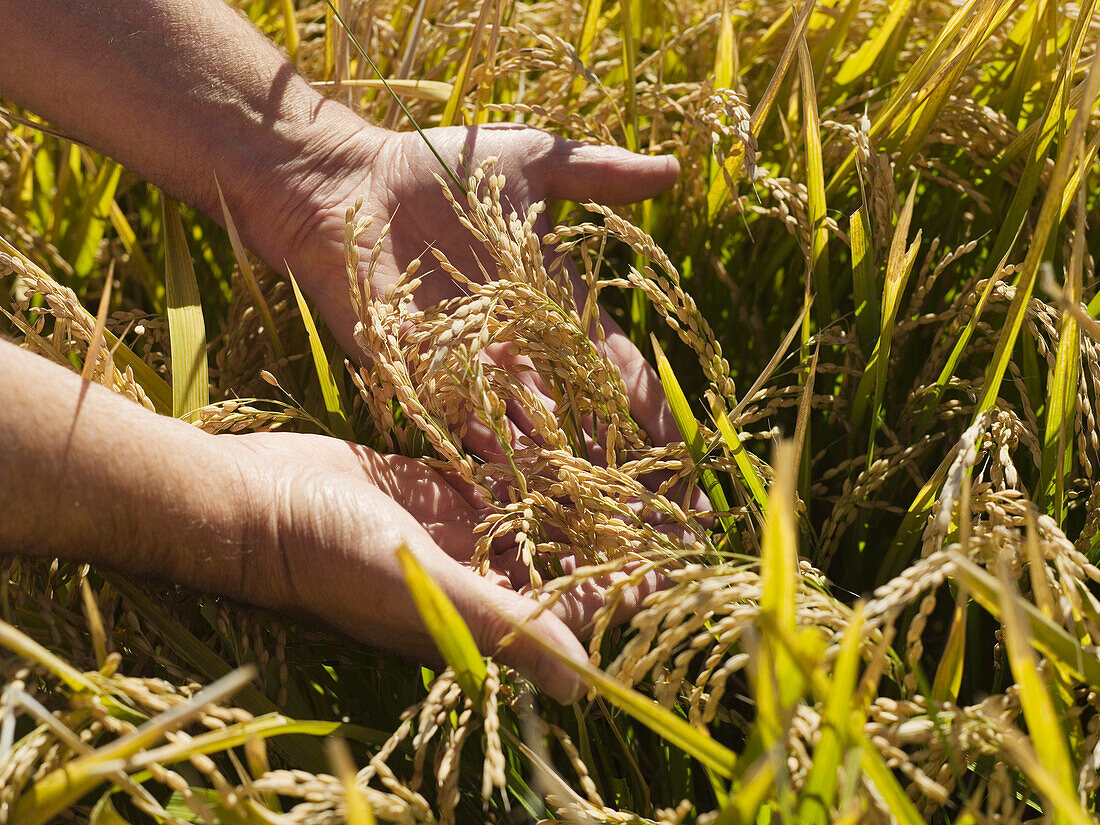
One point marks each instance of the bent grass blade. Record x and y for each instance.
(60, 788)
(666, 724)
(1050, 639)
(445, 625)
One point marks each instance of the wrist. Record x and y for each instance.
(290, 186)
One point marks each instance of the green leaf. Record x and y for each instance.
(104, 812)
(949, 672)
(84, 235)
(186, 328)
(878, 774)
(779, 577)
(899, 266)
(357, 810)
(249, 276)
(732, 440)
(819, 793)
(815, 189)
(666, 724)
(692, 435)
(868, 301)
(334, 405)
(466, 67)
(1044, 722)
(446, 627)
(1050, 639)
(725, 57)
(859, 64)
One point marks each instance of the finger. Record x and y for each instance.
(648, 404)
(626, 590)
(605, 174)
(493, 612)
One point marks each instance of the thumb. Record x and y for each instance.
(606, 174)
(493, 612)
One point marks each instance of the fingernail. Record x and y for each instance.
(572, 691)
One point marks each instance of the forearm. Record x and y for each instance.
(89, 476)
(178, 91)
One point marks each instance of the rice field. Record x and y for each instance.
(871, 301)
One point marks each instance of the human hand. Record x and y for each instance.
(328, 519)
(393, 173)
(300, 524)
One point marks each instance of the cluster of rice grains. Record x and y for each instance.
(967, 526)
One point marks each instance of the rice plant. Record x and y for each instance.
(871, 300)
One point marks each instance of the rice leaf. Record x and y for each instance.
(819, 793)
(798, 32)
(1048, 215)
(672, 728)
(725, 57)
(462, 76)
(749, 477)
(629, 14)
(1041, 136)
(435, 91)
(1044, 722)
(914, 130)
(95, 622)
(949, 672)
(868, 302)
(332, 14)
(104, 812)
(962, 342)
(84, 235)
(94, 346)
(858, 64)
(904, 101)
(902, 810)
(826, 48)
(779, 578)
(23, 645)
(357, 810)
(445, 625)
(187, 330)
(898, 268)
(249, 276)
(150, 281)
(1066, 805)
(1050, 639)
(334, 405)
(693, 437)
(268, 726)
(748, 803)
(1036, 569)
(290, 30)
(590, 27)
(815, 188)
(1062, 394)
(719, 191)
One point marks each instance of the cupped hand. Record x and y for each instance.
(333, 516)
(394, 174)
